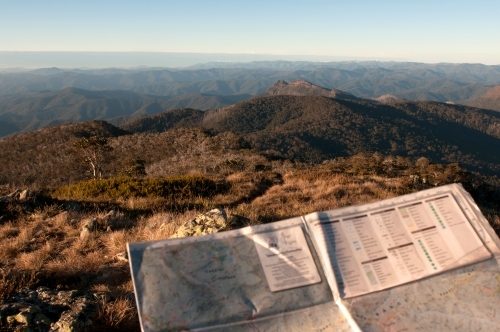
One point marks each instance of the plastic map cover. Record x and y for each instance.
(425, 261)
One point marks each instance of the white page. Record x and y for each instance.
(380, 245)
(217, 283)
(286, 259)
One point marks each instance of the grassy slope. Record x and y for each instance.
(43, 247)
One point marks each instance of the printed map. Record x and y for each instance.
(464, 299)
(221, 281)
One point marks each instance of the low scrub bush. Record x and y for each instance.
(179, 187)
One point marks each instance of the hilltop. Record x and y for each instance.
(304, 88)
(260, 148)
(317, 128)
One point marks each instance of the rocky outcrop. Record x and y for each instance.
(213, 221)
(12, 196)
(111, 221)
(45, 309)
(207, 223)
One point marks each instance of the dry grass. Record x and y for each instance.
(305, 192)
(44, 247)
(119, 314)
(161, 225)
(35, 260)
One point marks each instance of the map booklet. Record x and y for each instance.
(424, 261)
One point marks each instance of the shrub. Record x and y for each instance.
(179, 187)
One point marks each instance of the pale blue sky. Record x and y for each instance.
(424, 31)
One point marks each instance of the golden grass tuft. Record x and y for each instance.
(116, 242)
(162, 225)
(35, 260)
(119, 314)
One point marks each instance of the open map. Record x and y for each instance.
(221, 281)
(426, 261)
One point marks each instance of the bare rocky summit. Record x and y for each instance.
(305, 88)
(388, 99)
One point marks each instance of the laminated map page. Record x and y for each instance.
(261, 278)
(437, 237)
(423, 261)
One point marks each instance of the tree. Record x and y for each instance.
(92, 152)
(134, 168)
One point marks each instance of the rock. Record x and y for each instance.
(207, 223)
(89, 226)
(110, 221)
(62, 217)
(30, 310)
(79, 317)
(122, 256)
(238, 221)
(24, 316)
(11, 196)
(84, 234)
(24, 195)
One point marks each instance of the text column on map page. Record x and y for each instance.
(442, 235)
(369, 252)
(399, 244)
(428, 241)
(286, 258)
(456, 229)
(334, 245)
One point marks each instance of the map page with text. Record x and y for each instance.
(428, 261)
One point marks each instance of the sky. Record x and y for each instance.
(422, 31)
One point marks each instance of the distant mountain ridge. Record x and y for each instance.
(27, 112)
(369, 79)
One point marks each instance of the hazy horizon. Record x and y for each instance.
(98, 60)
(428, 32)
(95, 60)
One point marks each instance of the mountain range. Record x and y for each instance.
(279, 119)
(314, 128)
(35, 110)
(440, 82)
(305, 129)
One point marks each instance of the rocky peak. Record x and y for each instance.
(387, 99)
(280, 84)
(305, 88)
